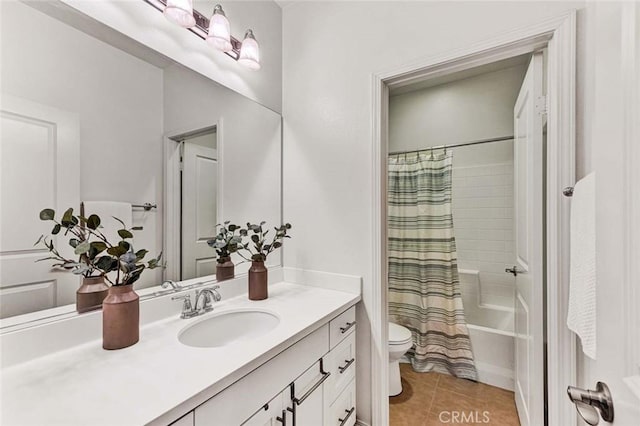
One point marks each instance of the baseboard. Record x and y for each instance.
(328, 280)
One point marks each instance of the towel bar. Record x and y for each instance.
(145, 206)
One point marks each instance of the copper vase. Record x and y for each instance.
(120, 318)
(258, 279)
(91, 293)
(225, 270)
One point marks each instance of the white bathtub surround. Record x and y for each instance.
(482, 200)
(146, 374)
(491, 333)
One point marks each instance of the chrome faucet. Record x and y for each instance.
(209, 295)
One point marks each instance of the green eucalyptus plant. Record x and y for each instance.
(227, 241)
(97, 255)
(259, 249)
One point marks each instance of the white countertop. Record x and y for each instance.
(86, 385)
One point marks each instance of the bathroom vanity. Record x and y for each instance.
(301, 371)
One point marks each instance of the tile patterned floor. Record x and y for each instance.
(432, 399)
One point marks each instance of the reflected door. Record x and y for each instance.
(199, 207)
(39, 168)
(529, 209)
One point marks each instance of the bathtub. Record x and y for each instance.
(491, 332)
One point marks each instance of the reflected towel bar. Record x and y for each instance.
(145, 206)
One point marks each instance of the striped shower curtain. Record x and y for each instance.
(424, 289)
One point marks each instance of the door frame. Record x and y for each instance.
(172, 192)
(558, 35)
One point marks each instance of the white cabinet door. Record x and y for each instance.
(529, 310)
(273, 413)
(39, 168)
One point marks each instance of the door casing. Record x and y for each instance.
(558, 35)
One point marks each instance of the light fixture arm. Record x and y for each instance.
(201, 28)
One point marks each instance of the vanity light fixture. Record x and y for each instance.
(250, 52)
(180, 12)
(219, 35)
(216, 30)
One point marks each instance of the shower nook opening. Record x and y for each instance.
(489, 310)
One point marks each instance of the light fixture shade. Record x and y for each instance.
(180, 12)
(219, 30)
(250, 52)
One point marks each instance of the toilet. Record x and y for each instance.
(400, 342)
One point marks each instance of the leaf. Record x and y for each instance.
(137, 228)
(255, 238)
(67, 217)
(56, 229)
(93, 221)
(82, 248)
(106, 263)
(140, 254)
(124, 233)
(47, 214)
(117, 251)
(97, 247)
(73, 242)
(277, 244)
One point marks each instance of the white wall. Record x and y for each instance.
(327, 110)
(143, 23)
(475, 108)
(119, 101)
(249, 146)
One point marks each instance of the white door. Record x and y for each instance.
(39, 168)
(199, 210)
(528, 195)
(615, 132)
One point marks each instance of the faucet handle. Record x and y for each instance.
(187, 310)
(216, 295)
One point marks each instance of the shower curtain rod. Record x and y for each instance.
(455, 145)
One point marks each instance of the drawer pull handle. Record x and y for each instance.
(349, 413)
(348, 363)
(299, 401)
(283, 419)
(348, 327)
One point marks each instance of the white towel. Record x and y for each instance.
(107, 210)
(582, 287)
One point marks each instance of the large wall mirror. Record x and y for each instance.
(90, 116)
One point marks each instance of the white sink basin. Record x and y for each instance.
(228, 327)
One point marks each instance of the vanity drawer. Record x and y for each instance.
(343, 411)
(341, 363)
(341, 326)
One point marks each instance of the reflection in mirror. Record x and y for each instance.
(199, 176)
(89, 115)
